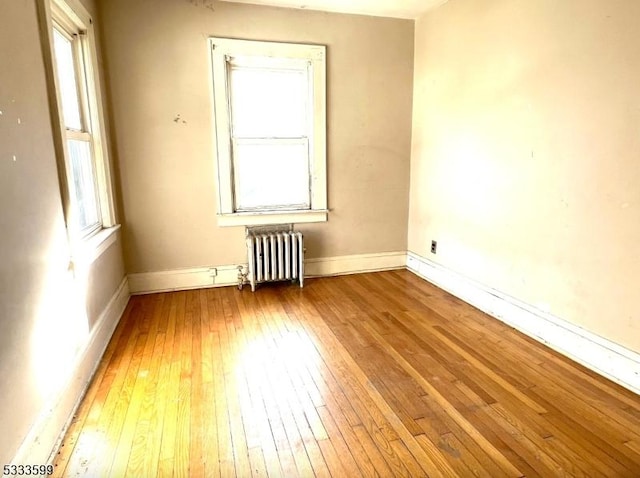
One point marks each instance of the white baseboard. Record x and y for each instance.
(218, 276)
(355, 264)
(50, 426)
(182, 279)
(594, 352)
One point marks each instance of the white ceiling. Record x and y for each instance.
(380, 8)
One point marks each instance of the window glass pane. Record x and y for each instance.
(84, 188)
(65, 69)
(269, 103)
(271, 175)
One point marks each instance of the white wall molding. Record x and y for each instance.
(355, 264)
(594, 352)
(50, 426)
(219, 276)
(182, 279)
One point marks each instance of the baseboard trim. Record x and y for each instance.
(46, 434)
(183, 279)
(355, 264)
(594, 352)
(227, 275)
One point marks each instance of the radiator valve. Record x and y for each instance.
(242, 277)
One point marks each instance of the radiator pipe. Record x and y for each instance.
(242, 277)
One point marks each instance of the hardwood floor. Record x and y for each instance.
(366, 375)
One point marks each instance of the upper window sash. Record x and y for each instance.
(81, 98)
(292, 77)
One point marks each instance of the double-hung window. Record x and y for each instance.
(269, 103)
(87, 194)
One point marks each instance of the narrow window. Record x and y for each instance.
(89, 202)
(70, 70)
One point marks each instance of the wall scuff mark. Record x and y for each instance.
(208, 4)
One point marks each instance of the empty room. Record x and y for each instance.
(277, 238)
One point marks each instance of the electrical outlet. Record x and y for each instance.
(434, 246)
(213, 272)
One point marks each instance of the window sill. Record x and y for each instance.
(90, 249)
(271, 217)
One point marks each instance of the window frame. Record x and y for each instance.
(223, 48)
(75, 37)
(70, 18)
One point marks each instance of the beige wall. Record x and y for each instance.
(43, 326)
(158, 64)
(526, 139)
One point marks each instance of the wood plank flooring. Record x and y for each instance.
(366, 375)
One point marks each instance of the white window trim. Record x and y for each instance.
(71, 14)
(220, 49)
